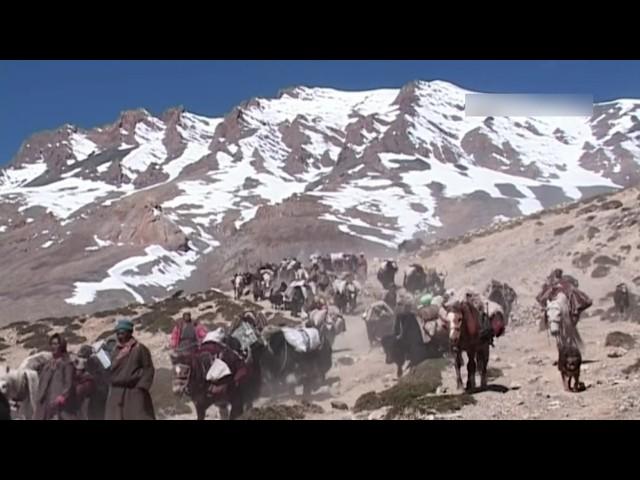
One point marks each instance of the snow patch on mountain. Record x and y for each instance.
(151, 149)
(102, 243)
(331, 107)
(64, 197)
(192, 153)
(372, 183)
(173, 267)
(82, 147)
(345, 229)
(386, 202)
(198, 132)
(103, 168)
(210, 201)
(13, 178)
(500, 219)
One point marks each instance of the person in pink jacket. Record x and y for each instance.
(187, 335)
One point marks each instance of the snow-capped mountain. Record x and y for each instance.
(148, 204)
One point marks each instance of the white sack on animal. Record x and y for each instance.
(219, 369)
(302, 339)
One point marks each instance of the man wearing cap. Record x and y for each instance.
(425, 300)
(131, 378)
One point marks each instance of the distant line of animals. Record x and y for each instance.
(291, 286)
(338, 276)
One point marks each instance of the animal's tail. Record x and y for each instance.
(32, 383)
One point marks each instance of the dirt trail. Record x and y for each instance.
(527, 385)
(358, 368)
(525, 356)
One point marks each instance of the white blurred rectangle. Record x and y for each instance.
(103, 358)
(519, 105)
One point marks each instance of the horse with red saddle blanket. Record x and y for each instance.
(473, 323)
(217, 374)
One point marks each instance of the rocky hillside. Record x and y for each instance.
(596, 240)
(95, 219)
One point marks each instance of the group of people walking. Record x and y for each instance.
(66, 388)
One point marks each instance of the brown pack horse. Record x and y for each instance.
(237, 391)
(467, 334)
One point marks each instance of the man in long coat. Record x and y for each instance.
(56, 399)
(131, 377)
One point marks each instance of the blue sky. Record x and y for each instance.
(39, 95)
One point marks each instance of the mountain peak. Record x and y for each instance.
(172, 115)
(326, 168)
(129, 118)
